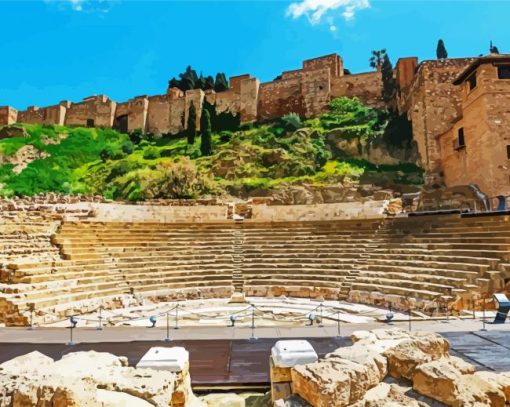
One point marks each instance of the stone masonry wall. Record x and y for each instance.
(98, 108)
(8, 115)
(46, 115)
(365, 86)
(484, 120)
(305, 91)
(433, 103)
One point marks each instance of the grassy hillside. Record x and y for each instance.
(270, 156)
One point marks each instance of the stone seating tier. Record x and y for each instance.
(65, 267)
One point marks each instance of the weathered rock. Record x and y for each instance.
(34, 379)
(223, 400)
(335, 381)
(13, 131)
(474, 390)
(292, 401)
(437, 379)
(502, 381)
(408, 354)
(362, 354)
(386, 395)
(443, 381)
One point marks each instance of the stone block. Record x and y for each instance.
(292, 352)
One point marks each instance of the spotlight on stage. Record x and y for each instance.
(153, 321)
(233, 319)
(74, 321)
(311, 318)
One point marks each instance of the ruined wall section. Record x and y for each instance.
(433, 103)
(365, 86)
(46, 115)
(100, 109)
(8, 115)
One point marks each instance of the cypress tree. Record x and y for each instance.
(192, 124)
(205, 129)
(221, 82)
(441, 50)
(389, 85)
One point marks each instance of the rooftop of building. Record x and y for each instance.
(486, 59)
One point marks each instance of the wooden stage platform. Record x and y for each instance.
(242, 363)
(212, 362)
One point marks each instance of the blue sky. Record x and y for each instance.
(54, 50)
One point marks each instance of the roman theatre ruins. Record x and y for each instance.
(62, 257)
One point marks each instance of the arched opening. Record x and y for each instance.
(90, 123)
(121, 123)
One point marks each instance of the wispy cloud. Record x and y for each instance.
(318, 10)
(87, 6)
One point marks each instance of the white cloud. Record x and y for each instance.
(315, 10)
(87, 6)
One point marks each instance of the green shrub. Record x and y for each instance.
(128, 147)
(291, 122)
(151, 153)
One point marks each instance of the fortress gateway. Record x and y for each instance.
(459, 109)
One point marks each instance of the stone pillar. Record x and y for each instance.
(284, 356)
(175, 360)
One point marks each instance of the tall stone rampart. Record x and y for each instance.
(306, 91)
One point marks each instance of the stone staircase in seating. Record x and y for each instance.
(60, 268)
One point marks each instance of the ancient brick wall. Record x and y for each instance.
(280, 97)
(100, 109)
(228, 101)
(485, 118)
(45, 115)
(405, 71)
(315, 91)
(433, 102)
(365, 86)
(333, 62)
(158, 114)
(8, 115)
(32, 115)
(177, 115)
(305, 91)
(249, 97)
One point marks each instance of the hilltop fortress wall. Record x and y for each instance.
(305, 91)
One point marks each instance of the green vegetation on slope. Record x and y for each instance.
(268, 156)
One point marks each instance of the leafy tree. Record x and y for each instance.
(389, 83)
(377, 58)
(205, 129)
(209, 83)
(221, 82)
(190, 80)
(192, 124)
(441, 50)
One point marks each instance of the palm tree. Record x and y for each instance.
(377, 58)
